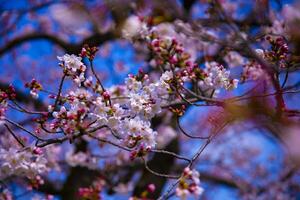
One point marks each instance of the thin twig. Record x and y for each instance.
(186, 134)
(157, 173)
(24, 129)
(13, 134)
(59, 91)
(195, 157)
(109, 142)
(98, 79)
(285, 79)
(170, 153)
(21, 109)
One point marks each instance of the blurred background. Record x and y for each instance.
(256, 157)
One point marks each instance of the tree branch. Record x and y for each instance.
(93, 40)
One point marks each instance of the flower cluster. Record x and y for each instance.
(6, 195)
(3, 103)
(138, 131)
(2, 112)
(34, 87)
(7, 94)
(234, 59)
(146, 98)
(169, 47)
(21, 163)
(88, 52)
(171, 52)
(167, 35)
(92, 192)
(81, 159)
(73, 67)
(145, 101)
(133, 27)
(128, 118)
(189, 184)
(217, 77)
(278, 52)
(150, 189)
(36, 182)
(253, 71)
(71, 119)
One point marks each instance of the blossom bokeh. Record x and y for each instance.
(149, 99)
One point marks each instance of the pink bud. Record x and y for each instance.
(155, 43)
(37, 151)
(173, 60)
(83, 52)
(105, 95)
(133, 155)
(51, 96)
(174, 41)
(151, 188)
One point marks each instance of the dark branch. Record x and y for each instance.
(94, 40)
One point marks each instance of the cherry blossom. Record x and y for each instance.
(81, 159)
(132, 27)
(234, 59)
(73, 66)
(21, 163)
(189, 184)
(217, 77)
(201, 76)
